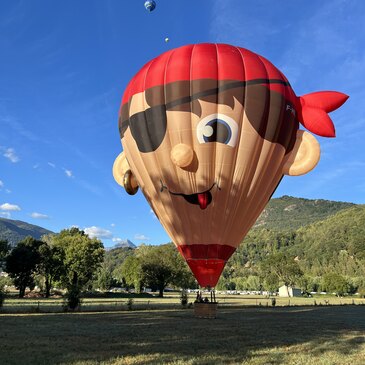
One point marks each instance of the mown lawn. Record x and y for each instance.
(324, 335)
(169, 301)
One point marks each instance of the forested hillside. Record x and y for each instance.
(318, 244)
(330, 252)
(333, 245)
(14, 231)
(288, 212)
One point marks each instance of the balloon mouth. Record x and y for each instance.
(203, 199)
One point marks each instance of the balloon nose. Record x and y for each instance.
(182, 155)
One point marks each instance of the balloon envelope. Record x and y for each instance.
(150, 5)
(206, 130)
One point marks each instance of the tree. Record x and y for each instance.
(51, 264)
(131, 272)
(161, 266)
(104, 279)
(283, 267)
(21, 264)
(333, 282)
(4, 249)
(271, 283)
(82, 256)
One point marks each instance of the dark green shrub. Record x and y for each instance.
(72, 299)
(130, 304)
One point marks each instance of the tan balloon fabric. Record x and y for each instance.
(305, 155)
(208, 132)
(241, 178)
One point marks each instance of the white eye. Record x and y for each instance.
(217, 128)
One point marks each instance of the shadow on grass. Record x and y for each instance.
(158, 337)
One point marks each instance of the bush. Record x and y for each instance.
(130, 304)
(2, 296)
(3, 281)
(72, 299)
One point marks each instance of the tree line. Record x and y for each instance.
(76, 263)
(325, 256)
(68, 259)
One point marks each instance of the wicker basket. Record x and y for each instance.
(205, 310)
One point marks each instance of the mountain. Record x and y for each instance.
(288, 212)
(123, 244)
(14, 231)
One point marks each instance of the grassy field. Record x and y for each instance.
(171, 300)
(324, 335)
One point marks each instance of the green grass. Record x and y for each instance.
(324, 335)
(170, 301)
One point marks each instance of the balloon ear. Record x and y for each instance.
(304, 156)
(123, 174)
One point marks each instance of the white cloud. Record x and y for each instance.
(51, 164)
(8, 191)
(98, 232)
(112, 225)
(1, 184)
(7, 206)
(68, 173)
(5, 214)
(39, 215)
(141, 237)
(11, 155)
(117, 239)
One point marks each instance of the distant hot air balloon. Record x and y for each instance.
(167, 40)
(208, 132)
(150, 5)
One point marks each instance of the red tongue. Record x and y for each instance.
(203, 200)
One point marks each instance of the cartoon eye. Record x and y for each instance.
(217, 128)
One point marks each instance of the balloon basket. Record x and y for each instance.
(205, 310)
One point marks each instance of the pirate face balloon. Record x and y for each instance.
(208, 132)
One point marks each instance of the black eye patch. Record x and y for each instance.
(148, 128)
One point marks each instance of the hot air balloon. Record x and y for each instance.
(150, 5)
(208, 132)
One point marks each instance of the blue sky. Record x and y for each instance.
(64, 66)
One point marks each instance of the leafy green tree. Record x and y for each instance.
(253, 282)
(114, 259)
(4, 250)
(104, 279)
(157, 269)
(50, 265)
(4, 281)
(283, 267)
(334, 282)
(162, 265)
(21, 263)
(226, 284)
(82, 256)
(2, 293)
(271, 283)
(241, 283)
(131, 272)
